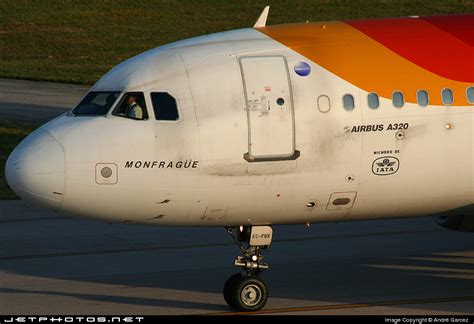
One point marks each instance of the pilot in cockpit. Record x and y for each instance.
(134, 110)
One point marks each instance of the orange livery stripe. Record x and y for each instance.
(383, 61)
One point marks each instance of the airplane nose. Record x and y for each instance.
(36, 169)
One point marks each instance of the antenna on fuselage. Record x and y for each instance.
(262, 20)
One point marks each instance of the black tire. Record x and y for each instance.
(228, 288)
(249, 294)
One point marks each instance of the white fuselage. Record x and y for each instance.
(235, 156)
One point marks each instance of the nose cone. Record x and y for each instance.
(36, 169)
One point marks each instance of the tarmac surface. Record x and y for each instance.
(54, 264)
(29, 101)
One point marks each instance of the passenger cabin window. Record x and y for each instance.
(165, 106)
(422, 98)
(447, 96)
(96, 103)
(373, 100)
(324, 104)
(348, 102)
(470, 95)
(132, 106)
(397, 99)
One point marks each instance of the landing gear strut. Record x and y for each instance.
(246, 291)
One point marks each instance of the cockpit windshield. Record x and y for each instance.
(96, 103)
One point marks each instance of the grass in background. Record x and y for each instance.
(10, 135)
(78, 41)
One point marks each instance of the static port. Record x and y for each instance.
(400, 135)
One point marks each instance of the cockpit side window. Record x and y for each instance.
(96, 103)
(132, 106)
(165, 106)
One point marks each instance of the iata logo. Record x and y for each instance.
(385, 165)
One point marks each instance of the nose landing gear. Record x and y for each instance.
(246, 291)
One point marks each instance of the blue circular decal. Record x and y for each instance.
(302, 69)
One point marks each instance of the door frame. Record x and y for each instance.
(247, 156)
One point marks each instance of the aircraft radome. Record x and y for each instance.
(285, 124)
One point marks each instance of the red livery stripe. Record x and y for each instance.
(441, 45)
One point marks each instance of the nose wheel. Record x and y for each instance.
(246, 291)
